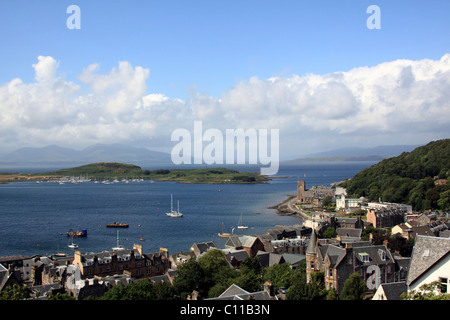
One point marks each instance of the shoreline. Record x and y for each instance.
(285, 208)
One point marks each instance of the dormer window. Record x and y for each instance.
(382, 254)
(364, 256)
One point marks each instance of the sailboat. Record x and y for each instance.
(118, 247)
(172, 213)
(72, 245)
(240, 225)
(225, 235)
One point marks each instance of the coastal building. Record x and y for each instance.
(385, 217)
(235, 257)
(294, 246)
(250, 244)
(348, 204)
(339, 260)
(199, 249)
(404, 208)
(133, 262)
(430, 262)
(313, 196)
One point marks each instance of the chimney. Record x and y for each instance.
(164, 252)
(269, 288)
(138, 248)
(348, 246)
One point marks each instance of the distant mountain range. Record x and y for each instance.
(358, 153)
(60, 157)
(56, 156)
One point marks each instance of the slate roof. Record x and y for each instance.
(349, 232)
(375, 254)
(235, 292)
(393, 290)
(267, 259)
(240, 241)
(426, 252)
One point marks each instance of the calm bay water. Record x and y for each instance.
(33, 215)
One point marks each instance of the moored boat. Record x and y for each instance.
(117, 225)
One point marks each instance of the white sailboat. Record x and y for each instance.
(172, 213)
(72, 245)
(240, 225)
(118, 247)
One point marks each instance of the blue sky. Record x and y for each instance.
(212, 45)
(214, 61)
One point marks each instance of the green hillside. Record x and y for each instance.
(408, 178)
(101, 170)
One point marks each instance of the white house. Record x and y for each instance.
(430, 261)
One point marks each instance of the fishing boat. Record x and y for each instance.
(240, 225)
(172, 213)
(117, 225)
(224, 234)
(77, 234)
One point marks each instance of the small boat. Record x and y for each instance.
(72, 245)
(117, 225)
(118, 247)
(172, 213)
(77, 234)
(141, 239)
(225, 235)
(240, 225)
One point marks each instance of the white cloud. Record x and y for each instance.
(402, 100)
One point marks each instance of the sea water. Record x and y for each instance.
(35, 217)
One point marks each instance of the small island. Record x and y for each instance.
(115, 170)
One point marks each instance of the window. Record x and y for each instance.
(364, 257)
(382, 254)
(443, 286)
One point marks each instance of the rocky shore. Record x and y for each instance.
(286, 208)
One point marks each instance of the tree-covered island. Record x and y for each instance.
(114, 170)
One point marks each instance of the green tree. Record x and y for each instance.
(60, 296)
(14, 292)
(329, 233)
(444, 200)
(326, 202)
(142, 290)
(300, 290)
(278, 274)
(354, 288)
(190, 277)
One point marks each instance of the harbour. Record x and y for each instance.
(33, 215)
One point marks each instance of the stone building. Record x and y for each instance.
(133, 262)
(313, 196)
(374, 263)
(385, 217)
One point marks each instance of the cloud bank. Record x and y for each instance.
(401, 101)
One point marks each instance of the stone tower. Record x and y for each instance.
(300, 189)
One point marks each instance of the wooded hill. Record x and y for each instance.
(411, 178)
